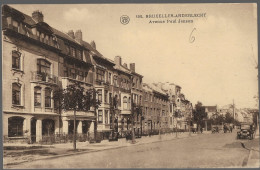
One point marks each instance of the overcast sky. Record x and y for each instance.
(216, 68)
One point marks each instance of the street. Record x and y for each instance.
(201, 151)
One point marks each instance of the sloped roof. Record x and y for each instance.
(157, 89)
(96, 52)
(64, 35)
(211, 108)
(147, 88)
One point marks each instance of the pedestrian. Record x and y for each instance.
(201, 130)
(230, 128)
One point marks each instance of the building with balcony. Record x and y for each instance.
(122, 92)
(30, 76)
(103, 83)
(37, 60)
(137, 99)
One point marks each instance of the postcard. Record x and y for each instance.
(141, 85)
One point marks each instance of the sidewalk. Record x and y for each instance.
(25, 152)
(254, 158)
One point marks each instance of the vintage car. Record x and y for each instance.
(246, 131)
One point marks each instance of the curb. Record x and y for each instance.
(249, 157)
(92, 151)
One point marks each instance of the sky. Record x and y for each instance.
(219, 66)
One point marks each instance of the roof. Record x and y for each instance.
(96, 52)
(157, 89)
(29, 21)
(147, 88)
(64, 35)
(122, 69)
(211, 108)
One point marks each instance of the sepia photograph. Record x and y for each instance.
(130, 85)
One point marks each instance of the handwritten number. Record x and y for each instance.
(192, 37)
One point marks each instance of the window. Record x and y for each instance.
(37, 96)
(105, 96)
(100, 116)
(15, 25)
(125, 102)
(110, 97)
(72, 52)
(106, 116)
(16, 57)
(15, 126)
(115, 80)
(129, 103)
(67, 49)
(109, 78)
(47, 97)
(73, 73)
(43, 66)
(100, 75)
(99, 95)
(80, 76)
(16, 91)
(79, 54)
(66, 73)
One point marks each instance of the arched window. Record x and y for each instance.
(43, 66)
(47, 97)
(16, 92)
(125, 102)
(15, 126)
(37, 96)
(16, 60)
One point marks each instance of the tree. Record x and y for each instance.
(199, 114)
(133, 109)
(113, 108)
(219, 120)
(177, 114)
(75, 98)
(229, 118)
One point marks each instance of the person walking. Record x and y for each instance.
(230, 128)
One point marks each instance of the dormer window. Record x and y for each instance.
(72, 52)
(79, 54)
(15, 25)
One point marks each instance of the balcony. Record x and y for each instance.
(44, 78)
(88, 81)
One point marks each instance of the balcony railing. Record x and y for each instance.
(44, 77)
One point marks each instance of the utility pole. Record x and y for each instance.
(233, 109)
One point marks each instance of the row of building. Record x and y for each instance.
(39, 59)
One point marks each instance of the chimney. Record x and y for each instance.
(37, 16)
(125, 65)
(71, 34)
(78, 35)
(93, 44)
(132, 67)
(118, 60)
